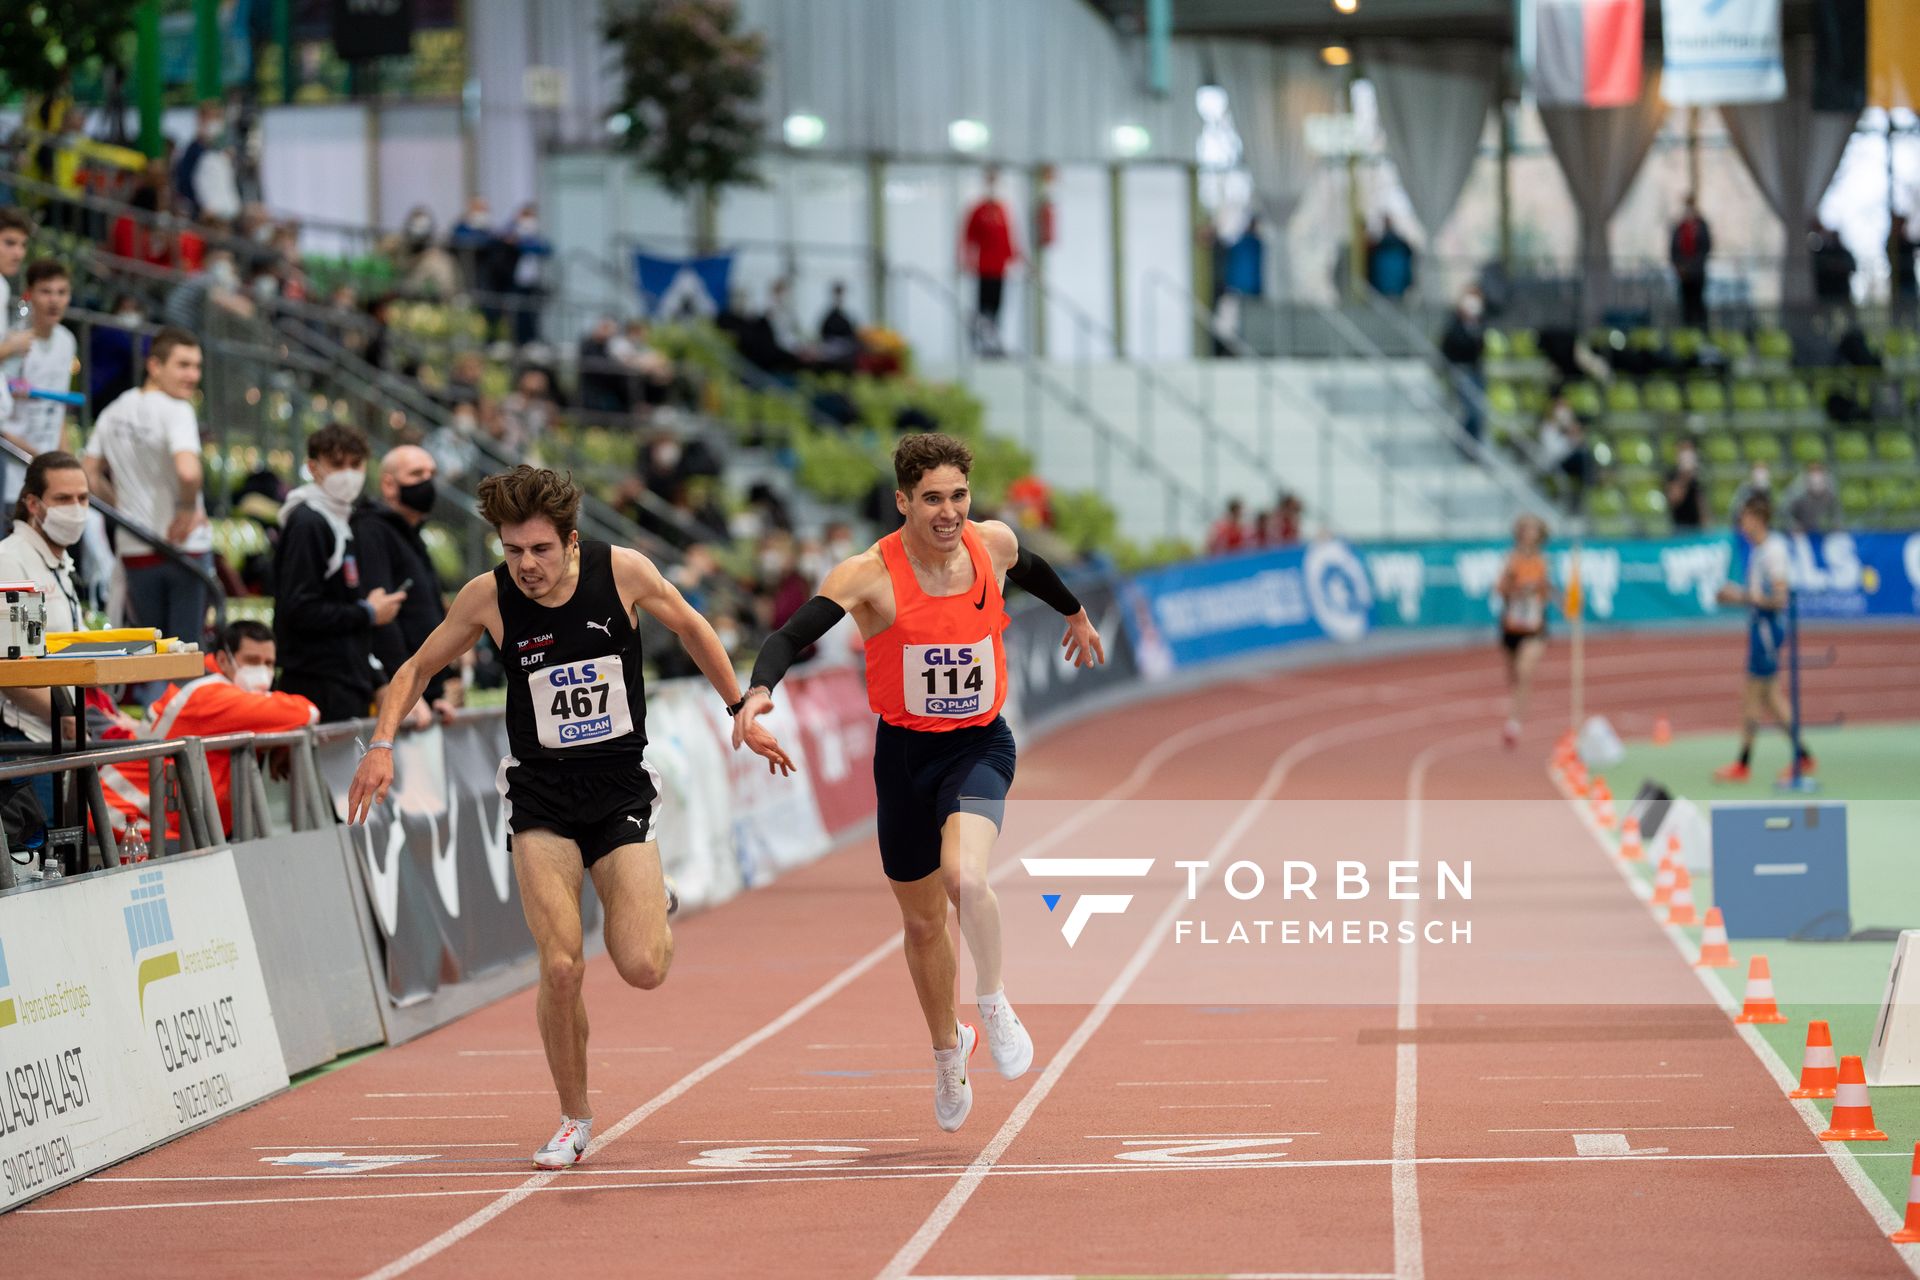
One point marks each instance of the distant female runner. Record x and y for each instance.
(1523, 592)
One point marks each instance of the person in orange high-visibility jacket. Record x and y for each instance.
(232, 697)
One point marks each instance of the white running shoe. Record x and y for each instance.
(673, 897)
(566, 1146)
(952, 1092)
(1008, 1040)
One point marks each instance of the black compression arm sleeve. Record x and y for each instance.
(1036, 577)
(811, 621)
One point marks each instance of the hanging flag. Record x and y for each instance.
(1893, 53)
(1587, 52)
(1840, 56)
(1721, 51)
(675, 287)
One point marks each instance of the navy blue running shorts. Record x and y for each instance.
(921, 778)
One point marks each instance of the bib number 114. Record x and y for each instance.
(955, 685)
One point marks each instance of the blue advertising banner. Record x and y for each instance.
(1857, 575)
(1231, 605)
(672, 288)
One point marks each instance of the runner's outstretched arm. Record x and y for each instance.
(1037, 578)
(643, 582)
(458, 632)
(849, 583)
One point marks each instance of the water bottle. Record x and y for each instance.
(134, 847)
(50, 867)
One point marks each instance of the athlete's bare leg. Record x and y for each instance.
(633, 898)
(547, 868)
(966, 843)
(930, 959)
(1521, 665)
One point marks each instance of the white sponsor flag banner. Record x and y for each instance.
(1719, 51)
(132, 1009)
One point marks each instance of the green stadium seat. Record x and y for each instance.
(1649, 503)
(1498, 348)
(1762, 446)
(1526, 344)
(1685, 343)
(250, 609)
(1851, 447)
(1503, 399)
(1623, 396)
(1893, 446)
(1893, 495)
(1662, 395)
(1732, 343)
(1705, 395)
(444, 552)
(1632, 449)
(1607, 511)
(1809, 446)
(1750, 398)
(1719, 449)
(1644, 339)
(1720, 498)
(1773, 345)
(1584, 397)
(1533, 399)
(1901, 346)
(1856, 498)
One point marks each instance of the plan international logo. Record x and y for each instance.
(7, 1015)
(1088, 905)
(150, 929)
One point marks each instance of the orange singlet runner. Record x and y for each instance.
(942, 665)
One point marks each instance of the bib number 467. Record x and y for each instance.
(570, 703)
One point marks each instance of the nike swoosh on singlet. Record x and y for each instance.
(981, 603)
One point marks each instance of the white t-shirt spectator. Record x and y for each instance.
(47, 366)
(1767, 566)
(138, 434)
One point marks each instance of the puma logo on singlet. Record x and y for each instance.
(606, 626)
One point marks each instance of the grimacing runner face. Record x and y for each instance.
(537, 556)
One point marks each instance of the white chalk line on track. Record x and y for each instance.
(1845, 1161)
(583, 1181)
(1300, 703)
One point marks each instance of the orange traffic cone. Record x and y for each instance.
(1663, 883)
(1680, 905)
(1818, 1074)
(1630, 848)
(1603, 804)
(1852, 1109)
(1673, 846)
(1662, 731)
(1910, 1233)
(1713, 943)
(1759, 1005)
(1577, 779)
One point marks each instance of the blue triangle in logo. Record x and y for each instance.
(1051, 899)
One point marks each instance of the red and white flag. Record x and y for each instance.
(1586, 53)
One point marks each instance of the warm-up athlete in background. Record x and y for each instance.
(1523, 592)
(927, 600)
(579, 795)
(1765, 595)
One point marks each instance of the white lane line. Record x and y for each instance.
(528, 1053)
(1176, 1137)
(1143, 769)
(1185, 1084)
(576, 1176)
(379, 1146)
(1885, 1216)
(1249, 1040)
(837, 1111)
(1234, 1275)
(491, 1117)
(865, 1046)
(1600, 1102)
(1643, 1075)
(1217, 1106)
(767, 1142)
(835, 1088)
(915, 1250)
(476, 1093)
(1623, 1128)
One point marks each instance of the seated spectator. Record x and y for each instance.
(470, 238)
(1286, 520)
(1562, 448)
(604, 386)
(1812, 505)
(1854, 350)
(422, 265)
(650, 372)
(1758, 484)
(1833, 266)
(1229, 532)
(837, 325)
(234, 696)
(191, 304)
(456, 447)
(463, 379)
(526, 414)
(1683, 487)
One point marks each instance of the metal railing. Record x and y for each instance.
(1110, 441)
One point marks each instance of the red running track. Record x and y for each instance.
(1339, 1112)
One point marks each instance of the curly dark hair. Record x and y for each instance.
(918, 454)
(526, 493)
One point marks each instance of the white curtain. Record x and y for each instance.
(1434, 97)
(1600, 149)
(1792, 152)
(1272, 91)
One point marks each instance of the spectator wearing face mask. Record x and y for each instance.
(190, 303)
(456, 446)
(1812, 505)
(323, 620)
(1464, 344)
(234, 696)
(527, 280)
(204, 176)
(1683, 488)
(1758, 484)
(424, 266)
(394, 558)
(469, 239)
(49, 518)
